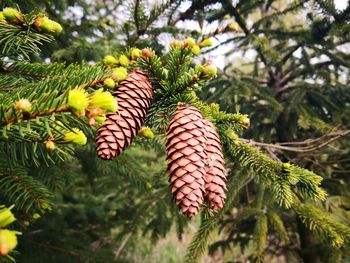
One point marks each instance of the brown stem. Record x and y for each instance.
(34, 115)
(311, 145)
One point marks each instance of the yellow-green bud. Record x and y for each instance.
(109, 83)
(233, 26)
(286, 166)
(109, 60)
(214, 106)
(124, 61)
(36, 216)
(206, 43)
(226, 17)
(6, 217)
(199, 69)
(103, 26)
(196, 50)
(78, 99)
(12, 15)
(146, 53)
(135, 53)
(103, 100)
(50, 145)
(56, 27)
(46, 25)
(75, 136)
(44, 205)
(2, 18)
(100, 119)
(189, 42)
(245, 121)
(24, 105)
(8, 241)
(175, 43)
(210, 69)
(119, 74)
(146, 132)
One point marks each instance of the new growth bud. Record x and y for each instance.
(13, 16)
(189, 42)
(103, 100)
(46, 25)
(146, 53)
(210, 69)
(78, 99)
(119, 74)
(124, 61)
(109, 83)
(2, 18)
(109, 61)
(196, 50)
(286, 166)
(75, 136)
(8, 241)
(233, 26)
(245, 121)
(175, 43)
(100, 119)
(206, 43)
(50, 145)
(146, 132)
(6, 217)
(36, 216)
(24, 105)
(135, 53)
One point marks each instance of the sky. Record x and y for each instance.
(218, 57)
(341, 4)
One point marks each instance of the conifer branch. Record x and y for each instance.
(14, 119)
(311, 145)
(323, 224)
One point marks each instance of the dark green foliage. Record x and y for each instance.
(287, 185)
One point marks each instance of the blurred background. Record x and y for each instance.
(284, 63)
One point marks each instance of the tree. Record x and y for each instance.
(43, 119)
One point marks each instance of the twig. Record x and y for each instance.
(312, 145)
(34, 115)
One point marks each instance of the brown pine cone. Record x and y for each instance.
(215, 178)
(134, 96)
(186, 158)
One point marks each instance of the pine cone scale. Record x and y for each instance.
(215, 177)
(186, 159)
(134, 95)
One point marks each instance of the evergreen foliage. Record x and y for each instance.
(286, 170)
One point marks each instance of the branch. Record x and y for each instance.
(311, 145)
(34, 115)
(241, 22)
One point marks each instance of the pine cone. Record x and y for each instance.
(215, 178)
(134, 96)
(186, 157)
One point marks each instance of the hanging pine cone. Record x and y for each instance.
(215, 178)
(186, 157)
(134, 96)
